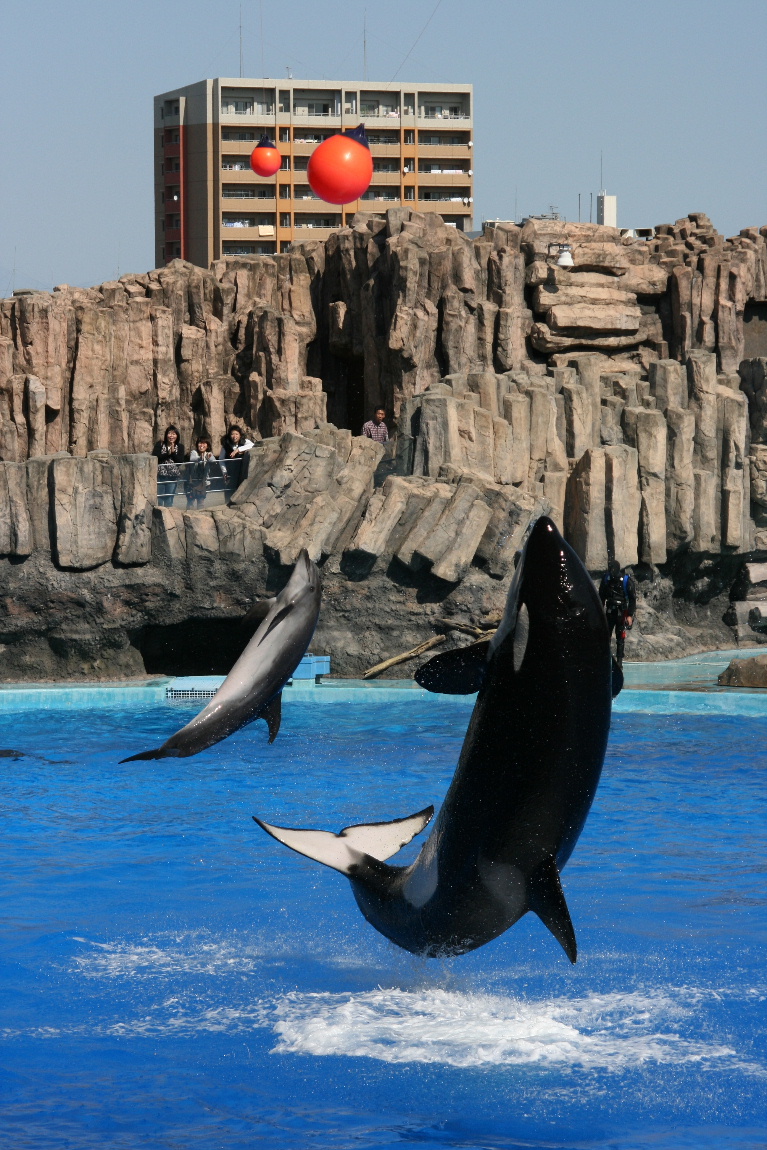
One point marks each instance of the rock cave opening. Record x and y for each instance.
(755, 330)
(194, 647)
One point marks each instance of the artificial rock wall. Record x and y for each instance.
(627, 397)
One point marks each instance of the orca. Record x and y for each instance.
(525, 780)
(253, 687)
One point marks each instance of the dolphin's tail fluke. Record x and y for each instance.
(546, 897)
(350, 846)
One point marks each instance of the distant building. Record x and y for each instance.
(607, 210)
(209, 203)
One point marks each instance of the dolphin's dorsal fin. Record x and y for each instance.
(547, 899)
(349, 847)
(459, 672)
(272, 712)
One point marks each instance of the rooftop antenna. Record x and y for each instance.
(240, 41)
(261, 22)
(601, 176)
(365, 45)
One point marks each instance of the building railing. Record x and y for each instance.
(425, 115)
(194, 485)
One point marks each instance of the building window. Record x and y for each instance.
(285, 165)
(231, 106)
(387, 139)
(248, 192)
(235, 163)
(304, 192)
(410, 137)
(315, 221)
(301, 163)
(319, 108)
(284, 135)
(350, 103)
(243, 134)
(410, 193)
(409, 104)
(443, 139)
(238, 248)
(285, 219)
(387, 165)
(381, 193)
(285, 102)
(408, 166)
(284, 191)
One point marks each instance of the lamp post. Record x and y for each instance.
(564, 254)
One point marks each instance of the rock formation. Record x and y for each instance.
(626, 396)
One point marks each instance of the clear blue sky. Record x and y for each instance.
(673, 92)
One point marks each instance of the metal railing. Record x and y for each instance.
(191, 486)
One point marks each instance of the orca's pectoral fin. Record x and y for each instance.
(546, 897)
(459, 672)
(272, 712)
(349, 847)
(617, 683)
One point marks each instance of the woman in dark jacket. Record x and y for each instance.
(169, 453)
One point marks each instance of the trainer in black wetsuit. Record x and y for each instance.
(619, 599)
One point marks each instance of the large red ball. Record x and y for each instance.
(340, 170)
(265, 161)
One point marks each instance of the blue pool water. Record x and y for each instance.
(170, 977)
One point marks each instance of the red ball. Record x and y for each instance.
(341, 168)
(265, 160)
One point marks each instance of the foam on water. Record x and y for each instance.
(601, 1031)
(169, 955)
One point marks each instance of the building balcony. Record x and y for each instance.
(388, 177)
(457, 196)
(171, 234)
(382, 195)
(320, 220)
(248, 203)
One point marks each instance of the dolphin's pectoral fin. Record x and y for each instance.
(272, 712)
(459, 672)
(258, 611)
(278, 618)
(349, 847)
(546, 897)
(617, 685)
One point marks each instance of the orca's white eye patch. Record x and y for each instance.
(521, 634)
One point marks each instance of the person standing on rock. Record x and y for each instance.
(234, 445)
(201, 461)
(376, 428)
(618, 594)
(169, 453)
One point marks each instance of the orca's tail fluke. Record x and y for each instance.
(353, 844)
(547, 899)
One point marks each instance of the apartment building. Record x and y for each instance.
(208, 202)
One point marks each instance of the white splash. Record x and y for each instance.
(167, 955)
(608, 1032)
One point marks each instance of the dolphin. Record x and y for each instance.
(525, 780)
(253, 687)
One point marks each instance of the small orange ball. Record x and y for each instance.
(341, 168)
(265, 160)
